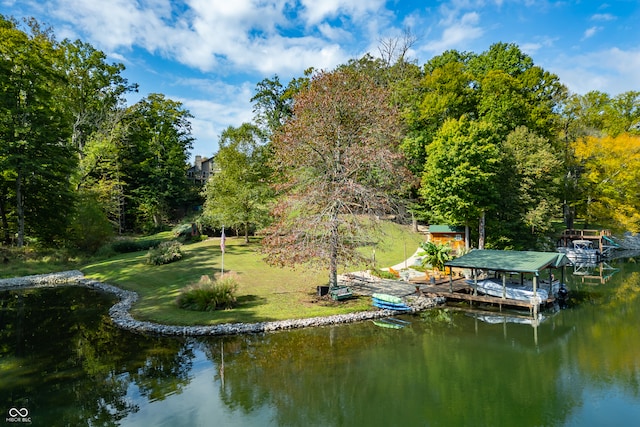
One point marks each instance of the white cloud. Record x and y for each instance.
(603, 17)
(315, 11)
(245, 35)
(540, 43)
(612, 71)
(590, 32)
(457, 33)
(231, 107)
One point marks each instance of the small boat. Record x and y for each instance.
(495, 288)
(389, 302)
(581, 251)
(388, 298)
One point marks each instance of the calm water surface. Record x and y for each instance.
(63, 361)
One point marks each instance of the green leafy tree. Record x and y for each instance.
(273, 102)
(101, 172)
(154, 160)
(502, 90)
(94, 89)
(459, 183)
(531, 176)
(623, 114)
(35, 157)
(337, 164)
(238, 195)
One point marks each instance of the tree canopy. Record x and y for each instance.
(238, 195)
(488, 134)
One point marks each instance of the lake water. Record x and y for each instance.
(62, 363)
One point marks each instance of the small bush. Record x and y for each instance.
(164, 253)
(209, 295)
(383, 274)
(130, 245)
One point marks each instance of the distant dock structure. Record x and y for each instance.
(600, 239)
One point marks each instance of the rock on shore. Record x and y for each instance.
(120, 312)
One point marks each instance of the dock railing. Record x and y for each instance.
(593, 234)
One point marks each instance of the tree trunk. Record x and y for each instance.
(246, 232)
(3, 220)
(481, 237)
(333, 256)
(20, 208)
(467, 237)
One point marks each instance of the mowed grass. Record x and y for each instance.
(264, 293)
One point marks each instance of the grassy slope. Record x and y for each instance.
(265, 293)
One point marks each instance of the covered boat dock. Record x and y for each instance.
(504, 264)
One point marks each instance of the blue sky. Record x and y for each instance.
(209, 54)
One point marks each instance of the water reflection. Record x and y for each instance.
(61, 358)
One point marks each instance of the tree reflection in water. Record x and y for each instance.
(63, 360)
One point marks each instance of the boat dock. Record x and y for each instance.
(459, 290)
(601, 239)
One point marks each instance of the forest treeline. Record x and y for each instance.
(464, 139)
(78, 165)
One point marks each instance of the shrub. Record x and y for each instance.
(90, 227)
(209, 295)
(383, 274)
(130, 245)
(434, 255)
(164, 253)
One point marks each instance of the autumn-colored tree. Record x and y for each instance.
(338, 166)
(612, 180)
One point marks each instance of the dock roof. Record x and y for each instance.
(516, 261)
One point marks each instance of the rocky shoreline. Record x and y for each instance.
(120, 312)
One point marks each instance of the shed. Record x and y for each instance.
(448, 235)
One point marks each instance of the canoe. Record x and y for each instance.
(388, 298)
(390, 306)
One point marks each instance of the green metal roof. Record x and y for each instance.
(516, 261)
(439, 228)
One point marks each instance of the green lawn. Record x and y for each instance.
(265, 293)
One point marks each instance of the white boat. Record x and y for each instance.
(524, 292)
(581, 251)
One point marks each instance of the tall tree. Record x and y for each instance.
(531, 182)
(459, 183)
(35, 156)
(337, 159)
(612, 180)
(238, 195)
(502, 90)
(94, 89)
(154, 159)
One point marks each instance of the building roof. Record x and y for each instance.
(516, 261)
(440, 228)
